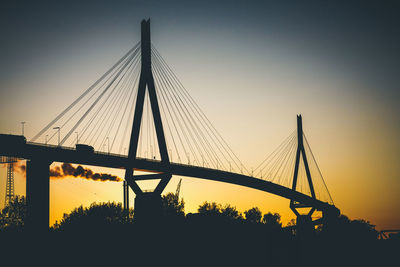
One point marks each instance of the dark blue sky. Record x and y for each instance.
(356, 38)
(363, 34)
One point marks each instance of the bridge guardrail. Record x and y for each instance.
(112, 154)
(50, 145)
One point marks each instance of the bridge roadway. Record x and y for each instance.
(16, 146)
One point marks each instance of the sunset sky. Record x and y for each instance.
(251, 66)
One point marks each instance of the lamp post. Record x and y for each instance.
(108, 145)
(58, 128)
(23, 124)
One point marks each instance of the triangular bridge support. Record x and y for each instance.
(146, 200)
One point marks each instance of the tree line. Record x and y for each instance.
(215, 231)
(112, 214)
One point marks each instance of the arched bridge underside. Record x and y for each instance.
(14, 146)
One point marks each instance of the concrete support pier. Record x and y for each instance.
(37, 195)
(148, 207)
(304, 226)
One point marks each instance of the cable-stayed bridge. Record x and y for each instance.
(139, 117)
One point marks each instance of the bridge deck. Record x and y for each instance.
(16, 146)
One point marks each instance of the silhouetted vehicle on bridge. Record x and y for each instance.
(84, 148)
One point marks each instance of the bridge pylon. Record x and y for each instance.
(146, 201)
(304, 221)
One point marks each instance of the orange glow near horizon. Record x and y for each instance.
(70, 192)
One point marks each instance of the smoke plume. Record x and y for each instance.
(67, 169)
(20, 167)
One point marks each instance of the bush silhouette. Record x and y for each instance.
(253, 215)
(14, 213)
(172, 206)
(97, 216)
(272, 220)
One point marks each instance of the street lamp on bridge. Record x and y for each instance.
(58, 129)
(108, 145)
(23, 124)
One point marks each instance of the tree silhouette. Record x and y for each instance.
(172, 207)
(253, 215)
(363, 230)
(14, 213)
(291, 227)
(360, 230)
(209, 208)
(97, 216)
(394, 236)
(272, 220)
(214, 209)
(231, 212)
(292, 222)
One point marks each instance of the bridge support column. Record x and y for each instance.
(37, 195)
(148, 207)
(147, 204)
(304, 227)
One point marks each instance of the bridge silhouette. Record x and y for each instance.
(166, 122)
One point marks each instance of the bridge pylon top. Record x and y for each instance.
(146, 45)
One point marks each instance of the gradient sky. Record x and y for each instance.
(260, 62)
